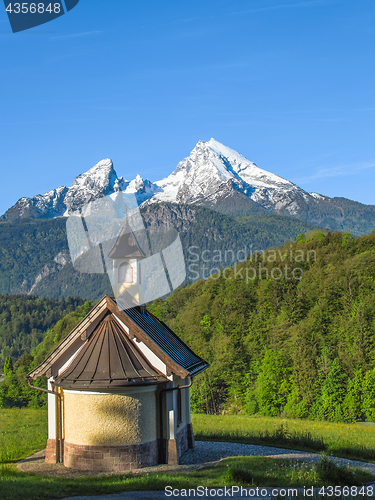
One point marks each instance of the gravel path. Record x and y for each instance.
(211, 451)
(207, 451)
(204, 452)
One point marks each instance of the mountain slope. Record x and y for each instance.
(35, 258)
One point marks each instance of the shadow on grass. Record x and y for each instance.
(283, 438)
(279, 438)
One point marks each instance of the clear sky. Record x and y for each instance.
(290, 84)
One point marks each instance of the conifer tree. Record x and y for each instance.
(8, 366)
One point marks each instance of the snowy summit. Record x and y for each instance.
(211, 171)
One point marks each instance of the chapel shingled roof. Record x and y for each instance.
(163, 336)
(140, 325)
(109, 359)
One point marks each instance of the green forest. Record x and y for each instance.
(14, 391)
(288, 332)
(24, 319)
(300, 347)
(21, 258)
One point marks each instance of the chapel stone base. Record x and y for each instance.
(120, 458)
(177, 447)
(52, 451)
(110, 458)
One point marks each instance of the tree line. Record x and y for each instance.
(24, 320)
(289, 331)
(14, 391)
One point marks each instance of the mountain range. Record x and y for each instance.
(214, 176)
(219, 202)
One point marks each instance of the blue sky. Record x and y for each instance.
(290, 84)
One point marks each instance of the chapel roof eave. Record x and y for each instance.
(45, 367)
(109, 359)
(178, 358)
(166, 344)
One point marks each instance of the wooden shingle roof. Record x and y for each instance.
(108, 359)
(142, 326)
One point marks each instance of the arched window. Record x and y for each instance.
(125, 273)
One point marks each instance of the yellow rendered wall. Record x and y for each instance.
(110, 419)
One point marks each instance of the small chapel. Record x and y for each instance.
(119, 382)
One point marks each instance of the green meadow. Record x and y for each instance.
(355, 441)
(249, 472)
(24, 431)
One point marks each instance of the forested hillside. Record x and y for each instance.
(35, 259)
(14, 391)
(25, 319)
(26, 247)
(301, 346)
(290, 332)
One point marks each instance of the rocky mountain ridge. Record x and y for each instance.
(213, 175)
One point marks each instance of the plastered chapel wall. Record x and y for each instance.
(110, 419)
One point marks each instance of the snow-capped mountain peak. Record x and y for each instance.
(212, 169)
(211, 173)
(246, 169)
(101, 176)
(143, 189)
(136, 184)
(100, 180)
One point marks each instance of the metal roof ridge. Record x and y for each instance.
(132, 366)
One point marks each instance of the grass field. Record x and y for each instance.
(243, 471)
(23, 432)
(342, 440)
